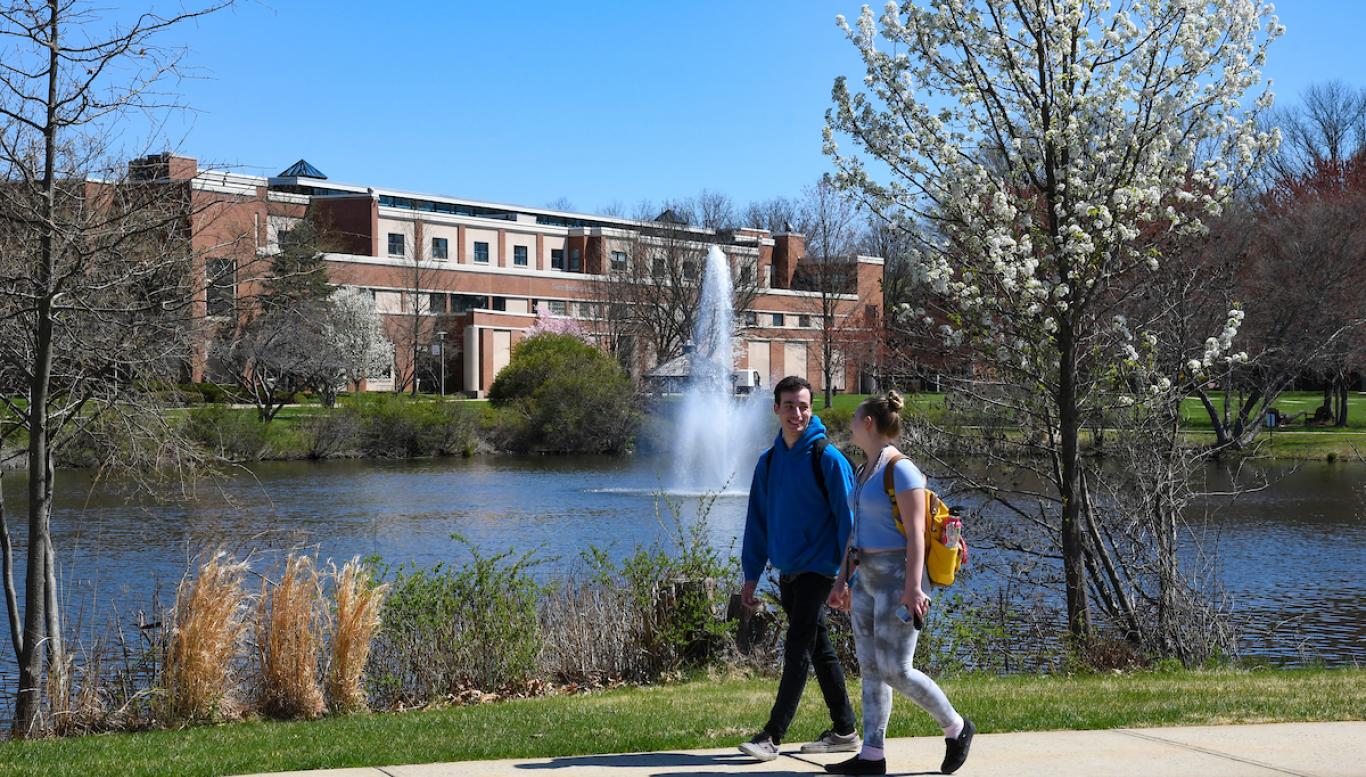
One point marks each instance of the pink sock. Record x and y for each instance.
(872, 753)
(952, 732)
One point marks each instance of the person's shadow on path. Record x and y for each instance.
(693, 765)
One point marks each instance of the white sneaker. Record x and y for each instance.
(830, 742)
(760, 747)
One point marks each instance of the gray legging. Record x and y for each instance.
(886, 646)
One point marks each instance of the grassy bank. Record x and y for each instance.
(311, 431)
(1296, 441)
(697, 714)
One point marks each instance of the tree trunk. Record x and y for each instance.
(1073, 549)
(1221, 436)
(829, 373)
(1167, 580)
(56, 648)
(7, 570)
(29, 698)
(1250, 414)
(1342, 401)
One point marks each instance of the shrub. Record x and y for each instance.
(129, 436)
(391, 426)
(675, 594)
(208, 626)
(452, 629)
(329, 434)
(837, 420)
(560, 394)
(208, 392)
(457, 425)
(228, 433)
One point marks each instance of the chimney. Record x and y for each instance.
(163, 167)
(788, 249)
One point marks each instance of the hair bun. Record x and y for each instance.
(894, 401)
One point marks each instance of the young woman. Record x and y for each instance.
(890, 573)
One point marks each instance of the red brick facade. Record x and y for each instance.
(236, 214)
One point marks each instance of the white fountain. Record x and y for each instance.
(718, 435)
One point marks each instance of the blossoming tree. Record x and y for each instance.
(1045, 156)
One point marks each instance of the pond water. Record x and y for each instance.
(1293, 555)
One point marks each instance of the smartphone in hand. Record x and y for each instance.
(904, 613)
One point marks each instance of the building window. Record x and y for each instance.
(586, 310)
(395, 244)
(657, 266)
(222, 283)
(464, 303)
(575, 260)
(557, 258)
(746, 273)
(440, 248)
(519, 257)
(558, 307)
(436, 303)
(481, 253)
(778, 319)
(690, 269)
(751, 318)
(500, 303)
(618, 261)
(804, 322)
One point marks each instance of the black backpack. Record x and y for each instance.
(817, 454)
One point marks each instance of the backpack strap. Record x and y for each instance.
(817, 456)
(889, 485)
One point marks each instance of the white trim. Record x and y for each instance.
(496, 312)
(290, 197)
(806, 294)
(478, 222)
(326, 184)
(527, 297)
(865, 259)
(450, 264)
(225, 183)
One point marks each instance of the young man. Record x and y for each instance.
(799, 522)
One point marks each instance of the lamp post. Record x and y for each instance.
(441, 338)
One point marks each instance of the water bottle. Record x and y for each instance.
(953, 531)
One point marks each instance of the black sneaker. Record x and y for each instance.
(956, 749)
(832, 742)
(761, 747)
(858, 765)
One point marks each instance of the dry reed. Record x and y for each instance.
(289, 641)
(208, 627)
(355, 622)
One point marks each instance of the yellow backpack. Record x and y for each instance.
(941, 561)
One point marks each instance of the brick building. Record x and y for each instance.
(482, 272)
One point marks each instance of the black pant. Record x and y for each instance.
(808, 642)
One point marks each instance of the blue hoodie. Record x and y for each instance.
(790, 523)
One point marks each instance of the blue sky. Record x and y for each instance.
(596, 102)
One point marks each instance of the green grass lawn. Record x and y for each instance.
(704, 713)
(1290, 403)
(1296, 441)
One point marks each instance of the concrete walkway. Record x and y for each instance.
(1267, 750)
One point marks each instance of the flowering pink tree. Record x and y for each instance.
(559, 325)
